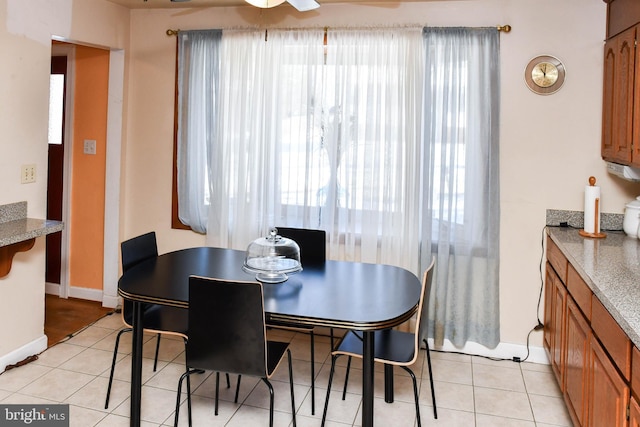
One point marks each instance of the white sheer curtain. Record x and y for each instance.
(385, 138)
(265, 160)
(198, 59)
(461, 164)
(321, 138)
(373, 113)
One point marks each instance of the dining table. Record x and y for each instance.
(336, 294)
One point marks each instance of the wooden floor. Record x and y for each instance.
(64, 317)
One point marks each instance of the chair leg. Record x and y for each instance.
(185, 375)
(326, 400)
(189, 399)
(155, 361)
(293, 399)
(433, 391)
(415, 393)
(313, 380)
(235, 400)
(217, 389)
(266, 381)
(346, 379)
(189, 371)
(113, 364)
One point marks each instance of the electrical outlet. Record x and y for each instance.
(28, 174)
(89, 146)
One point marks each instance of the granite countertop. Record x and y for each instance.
(611, 268)
(26, 228)
(16, 227)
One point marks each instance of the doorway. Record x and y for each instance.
(74, 258)
(93, 111)
(56, 166)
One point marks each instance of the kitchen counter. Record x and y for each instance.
(15, 227)
(18, 233)
(611, 268)
(23, 229)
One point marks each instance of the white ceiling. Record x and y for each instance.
(165, 4)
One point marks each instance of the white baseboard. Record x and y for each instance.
(76, 292)
(502, 351)
(36, 346)
(110, 302)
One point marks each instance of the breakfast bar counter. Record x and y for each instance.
(18, 233)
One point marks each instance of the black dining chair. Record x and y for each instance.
(313, 252)
(227, 333)
(156, 319)
(392, 347)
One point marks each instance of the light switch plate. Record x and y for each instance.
(89, 146)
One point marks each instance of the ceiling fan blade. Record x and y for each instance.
(304, 5)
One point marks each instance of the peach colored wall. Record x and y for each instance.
(88, 180)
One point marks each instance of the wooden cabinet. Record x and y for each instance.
(558, 334)
(620, 120)
(577, 363)
(591, 356)
(634, 413)
(608, 392)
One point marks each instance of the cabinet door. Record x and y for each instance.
(576, 367)
(548, 308)
(635, 148)
(558, 343)
(608, 392)
(618, 89)
(634, 413)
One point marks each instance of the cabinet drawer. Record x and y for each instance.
(612, 337)
(579, 291)
(557, 260)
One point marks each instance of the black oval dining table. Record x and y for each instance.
(337, 294)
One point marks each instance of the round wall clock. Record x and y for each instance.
(544, 74)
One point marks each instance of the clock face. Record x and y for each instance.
(544, 74)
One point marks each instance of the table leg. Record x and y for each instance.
(367, 378)
(388, 383)
(136, 366)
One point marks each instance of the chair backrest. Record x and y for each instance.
(423, 305)
(134, 251)
(312, 243)
(138, 249)
(226, 326)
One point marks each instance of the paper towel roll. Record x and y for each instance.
(592, 209)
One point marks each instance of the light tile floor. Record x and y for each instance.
(470, 391)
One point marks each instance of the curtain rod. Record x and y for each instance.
(502, 28)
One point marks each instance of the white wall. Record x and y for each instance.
(549, 145)
(26, 30)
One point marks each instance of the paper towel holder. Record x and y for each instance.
(597, 234)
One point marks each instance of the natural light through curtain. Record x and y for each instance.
(462, 203)
(317, 141)
(387, 139)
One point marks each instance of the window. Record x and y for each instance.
(384, 138)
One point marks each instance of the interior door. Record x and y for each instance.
(56, 165)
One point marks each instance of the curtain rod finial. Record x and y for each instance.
(172, 32)
(504, 28)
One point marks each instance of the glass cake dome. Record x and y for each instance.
(272, 257)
